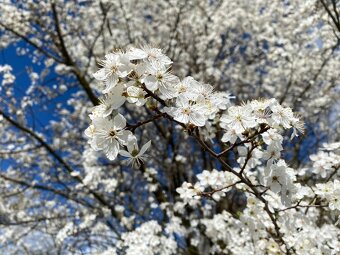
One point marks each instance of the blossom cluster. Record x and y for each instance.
(135, 76)
(331, 192)
(220, 182)
(139, 75)
(326, 160)
(8, 77)
(255, 129)
(148, 239)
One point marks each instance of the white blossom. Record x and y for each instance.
(109, 135)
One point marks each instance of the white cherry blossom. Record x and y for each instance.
(115, 66)
(135, 155)
(109, 135)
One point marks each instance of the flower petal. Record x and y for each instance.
(151, 83)
(144, 148)
(100, 74)
(112, 150)
(125, 154)
(119, 122)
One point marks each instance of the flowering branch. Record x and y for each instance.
(141, 75)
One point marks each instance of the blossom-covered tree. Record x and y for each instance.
(170, 127)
